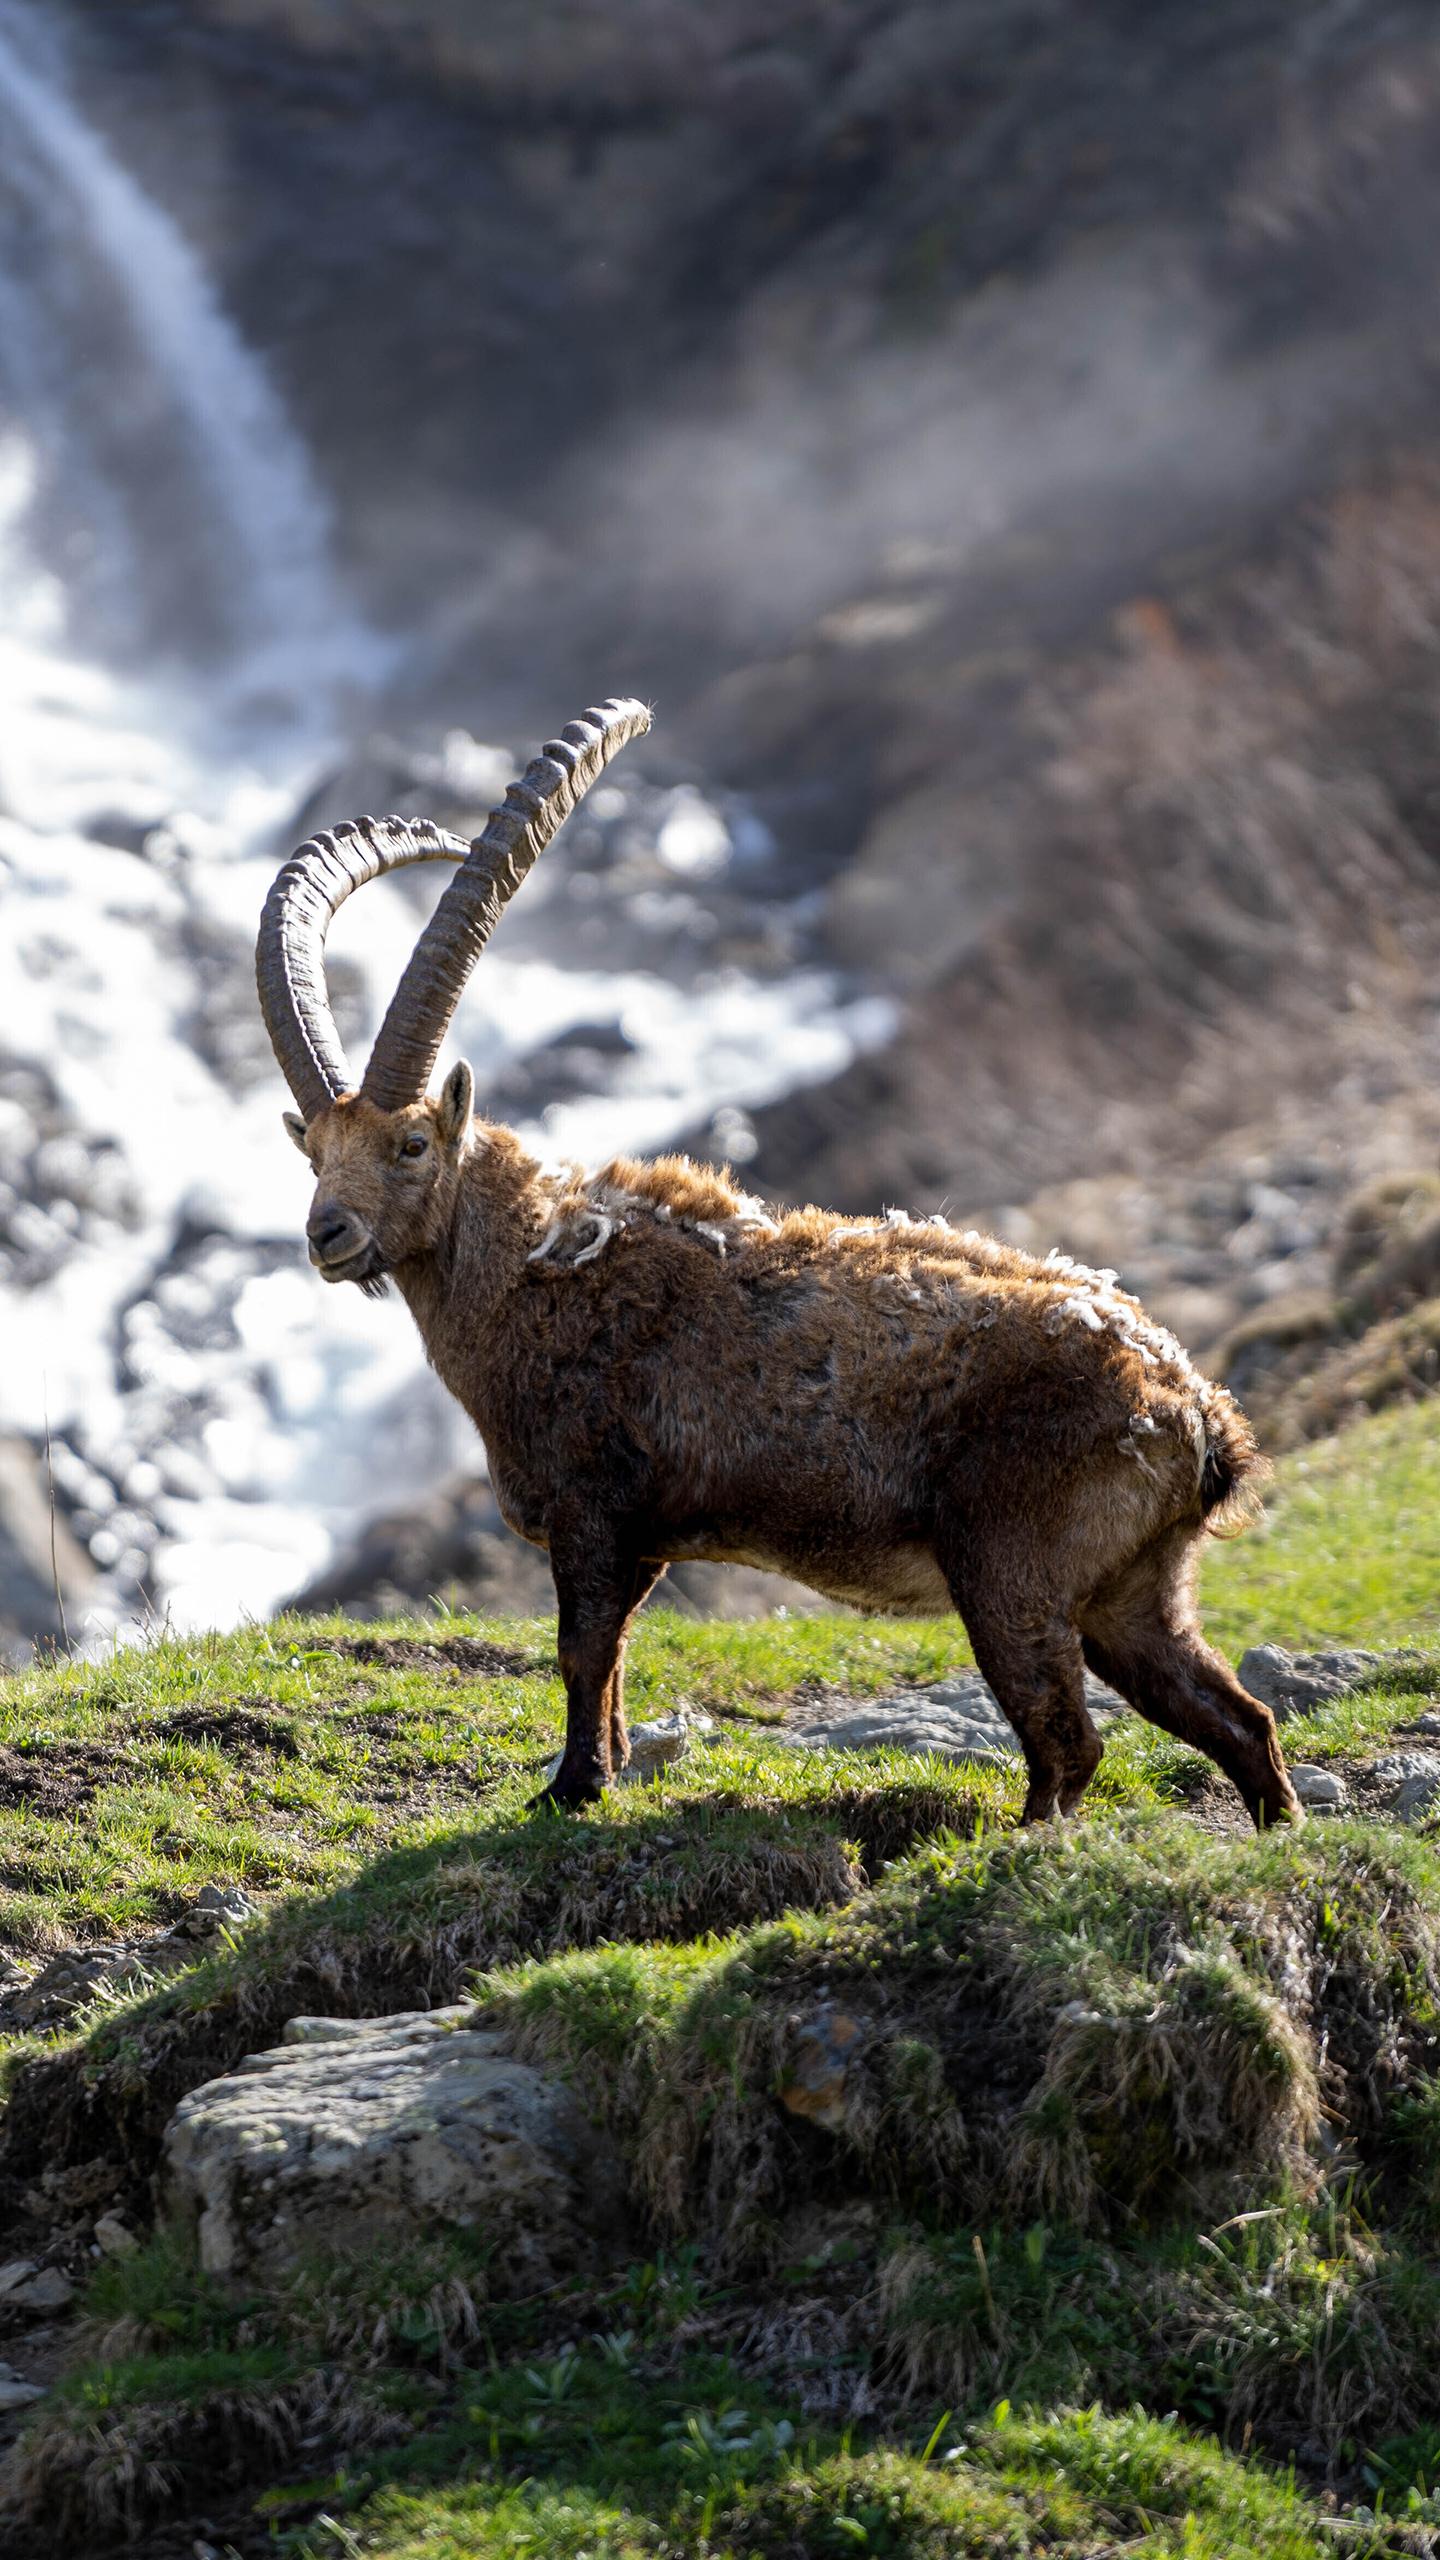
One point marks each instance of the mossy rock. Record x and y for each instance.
(1397, 1362)
(1379, 1226)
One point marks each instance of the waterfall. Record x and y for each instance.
(157, 509)
(178, 661)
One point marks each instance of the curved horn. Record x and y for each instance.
(533, 808)
(290, 954)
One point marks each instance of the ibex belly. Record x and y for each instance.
(898, 1581)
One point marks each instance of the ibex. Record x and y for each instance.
(902, 1416)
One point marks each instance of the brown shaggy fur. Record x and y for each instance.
(904, 1417)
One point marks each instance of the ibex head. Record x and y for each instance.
(386, 1156)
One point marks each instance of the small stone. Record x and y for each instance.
(1291, 1684)
(15, 2272)
(114, 2237)
(1428, 1723)
(1321, 1790)
(15, 2394)
(215, 1907)
(662, 1742)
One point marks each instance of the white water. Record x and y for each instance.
(219, 1419)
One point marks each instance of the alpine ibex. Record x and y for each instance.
(900, 1415)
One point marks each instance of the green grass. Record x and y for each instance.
(1136, 2147)
(1113, 2029)
(1349, 1552)
(716, 2484)
(314, 1760)
(637, 2438)
(1081, 2165)
(329, 1767)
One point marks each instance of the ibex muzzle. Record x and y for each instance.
(904, 1417)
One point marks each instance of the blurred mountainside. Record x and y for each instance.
(998, 436)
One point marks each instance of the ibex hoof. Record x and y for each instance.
(568, 1794)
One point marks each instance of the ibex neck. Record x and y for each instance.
(456, 1291)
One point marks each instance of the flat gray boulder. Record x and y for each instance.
(357, 2133)
(1291, 1684)
(957, 1719)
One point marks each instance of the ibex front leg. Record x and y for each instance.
(598, 1580)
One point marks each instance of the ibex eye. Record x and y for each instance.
(414, 1146)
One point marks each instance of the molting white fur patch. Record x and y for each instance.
(582, 1226)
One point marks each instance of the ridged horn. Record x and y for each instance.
(290, 953)
(533, 809)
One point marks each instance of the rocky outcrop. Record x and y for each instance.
(358, 2133)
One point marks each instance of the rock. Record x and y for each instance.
(68, 1981)
(398, 2127)
(114, 2238)
(1292, 1683)
(1410, 1780)
(1320, 1790)
(656, 1746)
(215, 1907)
(823, 2051)
(1428, 1723)
(51, 1997)
(15, 2392)
(27, 2286)
(957, 1719)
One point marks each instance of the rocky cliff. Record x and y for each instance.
(998, 435)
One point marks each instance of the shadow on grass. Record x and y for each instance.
(414, 1927)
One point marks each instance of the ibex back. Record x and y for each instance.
(901, 1416)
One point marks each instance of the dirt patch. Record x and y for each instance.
(58, 1777)
(241, 1731)
(471, 1656)
(1216, 1806)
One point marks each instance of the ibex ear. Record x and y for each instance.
(295, 1130)
(457, 1101)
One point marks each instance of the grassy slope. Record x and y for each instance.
(686, 2412)
(1350, 1549)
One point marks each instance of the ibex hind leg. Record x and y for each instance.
(642, 1584)
(1140, 1634)
(1028, 1648)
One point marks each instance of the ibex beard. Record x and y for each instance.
(902, 1416)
